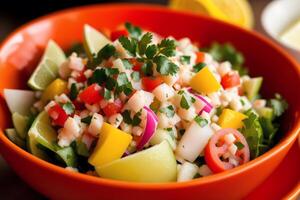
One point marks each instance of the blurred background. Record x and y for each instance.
(15, 13)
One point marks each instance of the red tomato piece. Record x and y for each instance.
(200, 57)
(58, 115)
(113, 108)
(118, 33)
(230, 80)
(150, 83)
(216, 147)
(136, 64)
(91, 94)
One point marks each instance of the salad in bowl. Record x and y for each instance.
(130, 105)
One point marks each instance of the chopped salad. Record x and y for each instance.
(131, 105)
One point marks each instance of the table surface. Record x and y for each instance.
(12, 187)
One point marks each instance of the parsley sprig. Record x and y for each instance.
(150, 54)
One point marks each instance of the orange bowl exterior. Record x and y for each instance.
(22, 49)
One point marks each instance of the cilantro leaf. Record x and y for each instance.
(201, 121)
(136, 120)
(86, 120)
(164, 66)
(73, 91)
(186, 100)
(106, 52)
(129, 45)
(169, 111)
(134, 31)
(185, 59)
(126, 117)
(167, 47)
(69, 108)
(269, 130)
(144, 42)
(151, 51)
(147, 68)
(278, 104)
(253, 132)
(198, 67)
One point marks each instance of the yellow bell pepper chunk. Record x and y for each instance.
(231, 119)
(57, 87)
(205, 82)
(111, 145)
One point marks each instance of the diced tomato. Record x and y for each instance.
(118, 33)
(91, 94)
(113, 108)
(81, 77)
(200, 57)
(216, 148)
(150, 83)
(136, 64)
(230, 80)
(58, 115)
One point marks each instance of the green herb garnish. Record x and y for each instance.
(185, 59)
(87, 120)
(169, 111)
(69, 108)
(198, 67)
(201, 121)
(73, 91)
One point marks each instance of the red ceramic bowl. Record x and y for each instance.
(21, 50)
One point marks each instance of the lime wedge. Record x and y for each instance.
(68, 156)
(93, 41)
(47, 69)
(21, 124)
(42, 131)
(155, 164)
(291, 36)
(13, 136)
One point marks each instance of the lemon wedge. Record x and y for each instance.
(233, 11)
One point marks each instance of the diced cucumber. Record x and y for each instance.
(161, 135)
(19, 100)
(13, 136)
(21, 124)
(266, 112)
(252, 87)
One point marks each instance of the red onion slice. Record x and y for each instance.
(208, 107)
(149, 131)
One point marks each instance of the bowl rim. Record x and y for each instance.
(292, 134)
